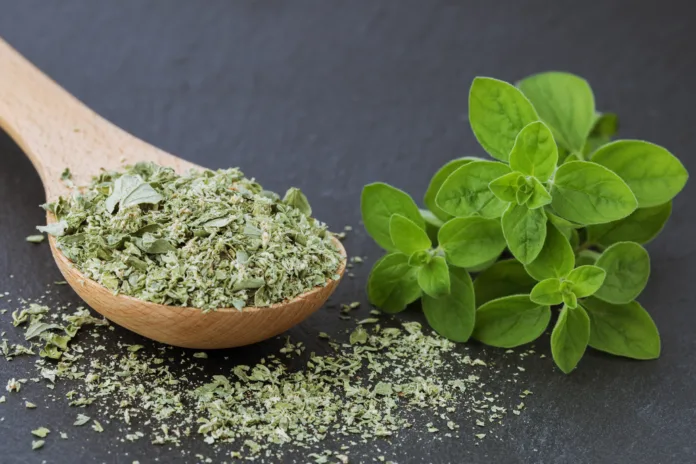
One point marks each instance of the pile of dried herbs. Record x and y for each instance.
(206, 239)
(385, 377)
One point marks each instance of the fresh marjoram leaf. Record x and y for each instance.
(641, 226)
(503, 278)
(564, 225)
(434, 277)
(627, 265)
(511, 321)
(497, 113)
(622, 330)
(525, 231)
(586, 280)
(535, 152)
(539, 196)
(420, 258)
(547, 292)
(483, 266)
(570, 337)
(378, 203)
(465, 192)
(437, 181)
(654, 174)
(453, 316)
(505, 187)
(471, 241)
(565, 102)
(588, 193)
(407, 236)
(432, 224)
(570, 299)
(587, 257)
(556, 258)
(393, 284)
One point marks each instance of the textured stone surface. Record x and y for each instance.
(328, 96)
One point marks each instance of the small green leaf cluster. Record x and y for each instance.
(557, 219)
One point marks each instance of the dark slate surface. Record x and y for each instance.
(329, 96)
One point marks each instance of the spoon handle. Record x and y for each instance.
(41, 117)
(55, 130)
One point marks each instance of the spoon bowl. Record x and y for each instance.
(56, 131)
(191, 327)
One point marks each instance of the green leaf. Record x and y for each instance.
(562, 223)
(505, 187)
(471, 241)
(430, 218)
(295, 198)
(420, 258)
(483, 266)
(627, 265)
(641, 226)
(535, 152)
(586, 280)
(574, 239)
(622, 330)
(497, 113)
(570, 337)
(378, 203)
(572, 157)
(570, 299)
(547, 292)
(556, 258)
(437, 181)
(605, 127)
(393, 284)
(522, 195)
(511, 321)
(503, 278)
(525, 231)
(453, 316)
(565, 102)
(465, 192)
(434, 277)
(654, 174)
(407, 236)
(587, 257)
(432, 224)
(588, 193)
(539, 196)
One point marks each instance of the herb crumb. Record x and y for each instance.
(41, 432)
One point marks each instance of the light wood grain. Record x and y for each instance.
(55, 130)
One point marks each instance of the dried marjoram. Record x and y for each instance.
(206, 239)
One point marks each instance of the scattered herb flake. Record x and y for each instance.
(41, 432)
(81, 420)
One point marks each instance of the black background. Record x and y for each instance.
(329, 96)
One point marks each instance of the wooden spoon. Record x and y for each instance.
(56, 131)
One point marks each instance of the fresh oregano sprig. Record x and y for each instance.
(570, 205)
